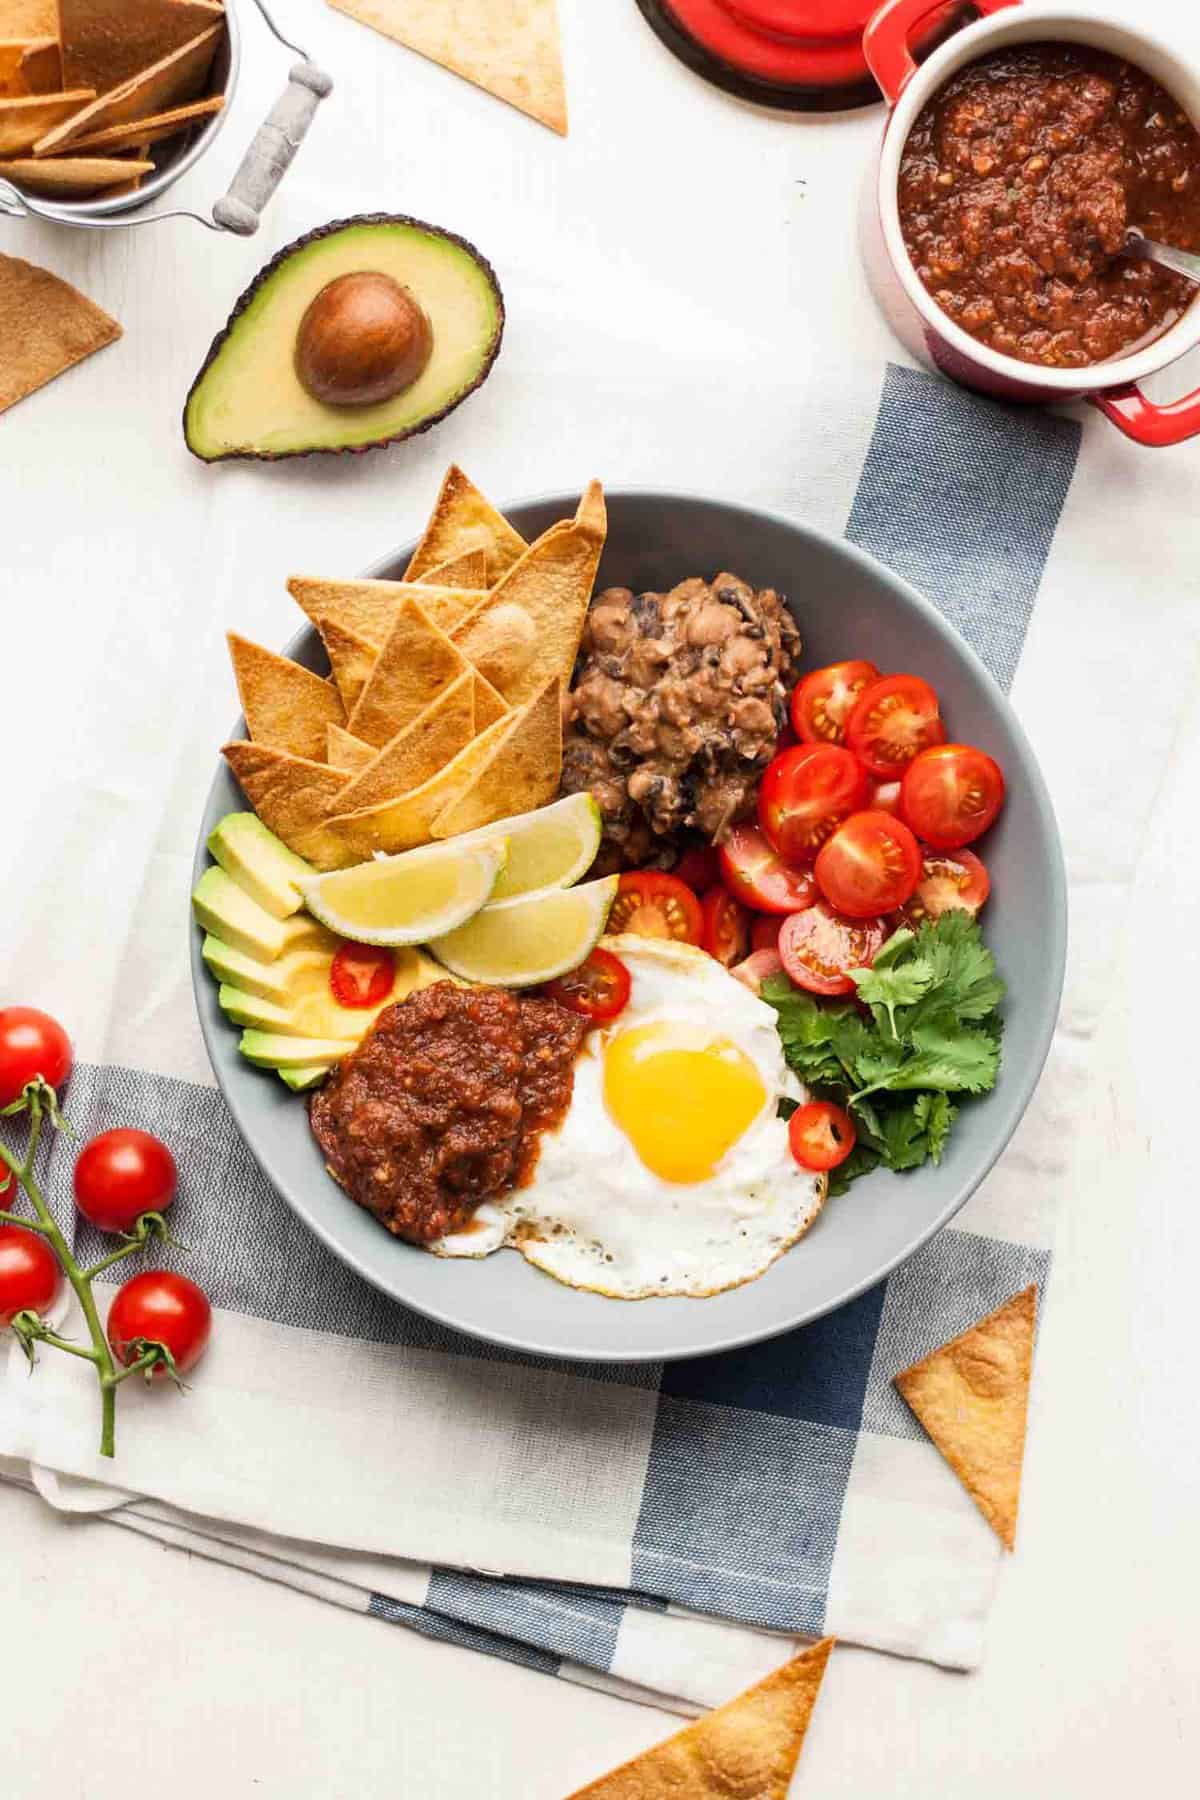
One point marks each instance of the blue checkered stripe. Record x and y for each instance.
(751, 1451)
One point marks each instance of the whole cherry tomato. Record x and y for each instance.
(951, 794)
(652, 904)
(158, 1307)
(31, 1043)
(805, 794)
(122, 1174)
(756, 876)
(29, 1273)
(821, 1135)
(869, 866)
(598, 988)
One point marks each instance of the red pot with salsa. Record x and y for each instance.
(1014, 162)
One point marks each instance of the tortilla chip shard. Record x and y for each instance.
(972, 1397)
(286, 706)
(49, 326)
(745, 1750)
(463, 520)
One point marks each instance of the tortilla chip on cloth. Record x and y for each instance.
(48, 327)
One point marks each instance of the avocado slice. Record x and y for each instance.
(275, 981)
(272, 1050)
(225, 908)
(249, 400)
(260, 863)
(300, 1080)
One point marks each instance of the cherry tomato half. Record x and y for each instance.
(805, 794)
(885, 797)
(760, 879)
(869, 866)
(362, 975)
(948, 882)
(122, 1174)
(893, 721)
(598, 988)
(699, 868)
(824, 700)
(757, 968)
(818, 949)
(951, 794)
(655, 905)
(764, 931)
(29, 1273)
(31, 1043)
(820, 1135)
(726, 930)
(158, 1307)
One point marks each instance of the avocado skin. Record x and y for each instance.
(269, 269)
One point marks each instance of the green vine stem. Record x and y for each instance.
(41, 1103)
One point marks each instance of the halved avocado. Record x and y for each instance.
(257, 393)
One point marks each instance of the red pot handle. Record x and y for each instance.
(889, 33)
(1147, 423)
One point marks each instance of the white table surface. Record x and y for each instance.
(129, 1669)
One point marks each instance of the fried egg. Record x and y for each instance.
(671, 1172)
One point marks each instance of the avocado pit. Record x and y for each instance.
(363, 339)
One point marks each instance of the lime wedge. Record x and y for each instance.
(534, 937)
(550, 848)
(410, 898)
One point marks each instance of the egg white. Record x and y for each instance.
(595, 1216)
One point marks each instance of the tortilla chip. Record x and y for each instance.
(972, 1397)
(551, 585)
(177, 78)
(416, 662)
(351, 659)
(290, 794)
(106, 42)
(510, 48)
(286, 707)
(416, 754)
(342, 751)
(466, 571)
(522, 773)
(140, 155)
(28, 19)
(748, 1747)
(369, 608)
(489, 705)
(149, 131)
(29, 66)
(463, 520)
(23, 122)
(69, 176)
(48, 327)
(405, 822)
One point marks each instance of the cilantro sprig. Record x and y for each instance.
(931, 1030)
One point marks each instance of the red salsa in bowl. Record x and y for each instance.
(1017, 184)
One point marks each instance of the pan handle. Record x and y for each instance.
(270, 155)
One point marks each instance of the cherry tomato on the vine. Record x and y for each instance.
(757, 877)
(805, 794)
(158, 1307)
(818, 949)
(31, 1043)
(598, 989)
(869, 866)
(893, 721)
(726, 930)
(29, 1273)
(122, 1174)
(824, 700)
(951, 794)
(652, 904)
(362, 975)
(821, 1135)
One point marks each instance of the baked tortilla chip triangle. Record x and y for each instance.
(342, 751)
(416, 662)
(461, 521)
(433, 739)
(144, 132)
(466, 571)
(510, 48)
(488, 704)
(286, 707)
(522, 772)
(105, 42)
(745, 1750)
(351, 660)
(48, 327)
(30, 66)
(290, 794)
(68, 176)
(28, 19)
(403, 823)
(369, 608)
(527, 629)
(168, 83)
(972, 1397)
(23, 122)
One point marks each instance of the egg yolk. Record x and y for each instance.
(681, 1103)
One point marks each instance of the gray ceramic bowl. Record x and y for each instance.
(847, 605)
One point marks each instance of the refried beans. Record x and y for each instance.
(1017, 184)
(442, 1105)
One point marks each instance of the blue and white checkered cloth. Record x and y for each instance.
(663, 1532)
